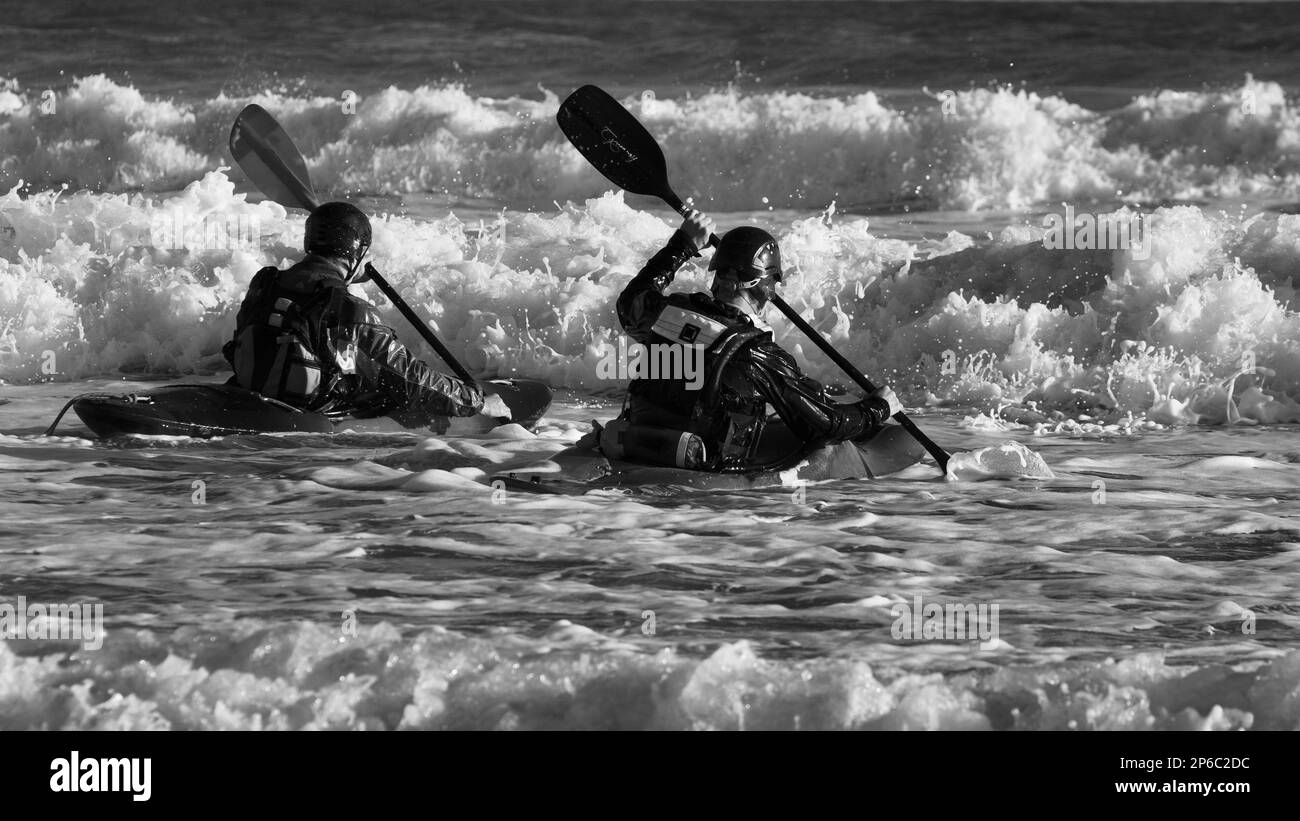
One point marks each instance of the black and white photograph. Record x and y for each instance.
(650, 365)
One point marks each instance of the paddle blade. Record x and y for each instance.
(270, 159)
(527, 399)
(615, 143)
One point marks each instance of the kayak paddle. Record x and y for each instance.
(618, 145)
(275, 165)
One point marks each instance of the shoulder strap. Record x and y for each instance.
(689, 327)
(726, 348)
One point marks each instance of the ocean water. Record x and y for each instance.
(906, 155)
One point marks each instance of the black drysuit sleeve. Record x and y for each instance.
(643, 299)
(801, 401)
(389, 379)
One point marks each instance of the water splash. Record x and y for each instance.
(1202, 331)
(986, 148)
(1010, 460)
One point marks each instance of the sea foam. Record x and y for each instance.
(734, 151)
(253, 676)
(1200, 329)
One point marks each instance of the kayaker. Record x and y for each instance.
(303, 339)
(716, 423)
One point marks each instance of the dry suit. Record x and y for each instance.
(303, 339)
(745, 372)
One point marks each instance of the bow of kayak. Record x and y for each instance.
(201, 411)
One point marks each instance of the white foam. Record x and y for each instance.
(1010, 460)
(991, 148)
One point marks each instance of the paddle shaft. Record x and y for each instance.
(414, 319)
(941, 456)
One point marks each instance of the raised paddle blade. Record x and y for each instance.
(270, 159)
(615, 143)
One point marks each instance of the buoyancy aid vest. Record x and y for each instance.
(729, 423)
(274, 353)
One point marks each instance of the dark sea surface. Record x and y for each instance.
(1098, 54)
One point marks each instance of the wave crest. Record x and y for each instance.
(969, 150)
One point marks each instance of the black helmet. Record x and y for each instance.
(337, 229)
(747, 255)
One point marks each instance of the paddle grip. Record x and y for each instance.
(675, 202)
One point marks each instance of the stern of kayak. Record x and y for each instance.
(205, 411)
(201, 411)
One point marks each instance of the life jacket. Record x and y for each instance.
(743, 415)
(273, 352)
(724, 426)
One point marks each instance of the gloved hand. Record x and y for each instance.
(493, 406)
(888, 395)
(698, 227)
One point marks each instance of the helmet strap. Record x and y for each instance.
(756, 298)
(356, 262)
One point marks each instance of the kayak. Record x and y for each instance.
(578, 469)
(205, 411)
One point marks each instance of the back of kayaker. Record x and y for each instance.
(301, 337)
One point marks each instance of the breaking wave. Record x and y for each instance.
(971, 149)
(1199, 326)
